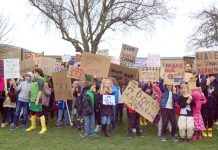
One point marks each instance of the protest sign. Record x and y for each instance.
(11, 68)
(62, 86)
(96, 64)
(103, 52)
(75, 72)
(1, 67)
(119, 72)
(192, 83)
(149, 74)
(46, 64)
(140, 63)
(207, 62)
(66, 58)
(142, 103)
(153, 60)
(169, 78)
(176, 68)
(31, 56)
(127, 55)
(26, 66)
(109, 100)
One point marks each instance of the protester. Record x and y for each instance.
(62, 113)
(24, 89)
(199, 99)
(37, 91)
(186, 121)
(88, 103)
(45, 101)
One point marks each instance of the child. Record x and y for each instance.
(62, 113)
(199, 99)
(186, 121)
(45, 101)
(88, 102)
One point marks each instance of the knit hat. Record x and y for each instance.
(29, 74)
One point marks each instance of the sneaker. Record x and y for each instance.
(130, 135)
(174, 139)
(134, 130)
(13, 127)
(94, 135)
(163, 139)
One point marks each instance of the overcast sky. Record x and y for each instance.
(169, 39)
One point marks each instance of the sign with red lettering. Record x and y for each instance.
(96, 64)
(128, 55)
(141, 102)
(75, 72)
(62, 86)
(149, 74)
(207, 62)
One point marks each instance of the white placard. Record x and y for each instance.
(104, 52)
(11, 68)
(66, 58)
(109, 100)
(153, 60)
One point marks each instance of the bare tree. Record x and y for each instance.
(205, 34)
(84, 22)
(5, 29)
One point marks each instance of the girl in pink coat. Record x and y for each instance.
(199, 99)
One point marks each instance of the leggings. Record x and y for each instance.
(208, 117)
(39, 114)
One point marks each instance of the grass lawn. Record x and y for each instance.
(68, 138)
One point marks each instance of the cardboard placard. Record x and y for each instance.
(1, 67)
(142, 103)
(11, 68)
(66, 58)
(119, 72)
(96, 64)
(31, 56)
(26, 66)
(75, 72)
(140, 62)
(187, 77)
(109, 100)
(175, 67)
(103, 52)
(62, 86)
(153, 60)
(207, 62)
(127, 55)
(169, 78)
(46, 64)
(149, 74)
(192, 84)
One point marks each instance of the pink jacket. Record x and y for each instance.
(199, 101)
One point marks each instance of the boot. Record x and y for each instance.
(107, 131)
(98, 127)
(141, 121)
(204, 133)
(33, 123)
(42, 120)
(210, 132)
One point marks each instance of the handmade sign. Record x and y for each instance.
(97, 65)
(188, 76)
(66, 58)
(207, 62)
(176, 68)
(109, 100)
(1, 67)
(46, 64)
(153, 60)
(31, 56)
(142, 103)
(149, 74)
(140, 62)
(26, 66)
(192, 84)
(127, 55)
(75, 72)
(103, 52)
(11, 68)
(169, 78)
(119, 72)
(62, 86)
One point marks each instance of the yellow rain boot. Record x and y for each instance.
(204, 133)
(145, 122)
(44, 129)
(210, 132)
(140, 121)
(33, 123)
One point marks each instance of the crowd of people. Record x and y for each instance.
(192, 111)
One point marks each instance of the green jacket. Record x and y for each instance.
(35, 89)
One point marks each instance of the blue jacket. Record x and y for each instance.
(115, 91)
(61, 104)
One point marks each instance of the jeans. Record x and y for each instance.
(89, 122)
(133, 122)
(105, 120)
(19, 107)
(119, 113)
(61, 113)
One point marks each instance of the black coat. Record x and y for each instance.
(87, 108)
(105, 110)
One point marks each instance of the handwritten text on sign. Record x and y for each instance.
(11, 68)
(153, 60)
(149, 74)
(26, 66)
(75, 72)
(207, 62)
(140, 102)
(109, 100)
(127, 55)
(62, 86)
